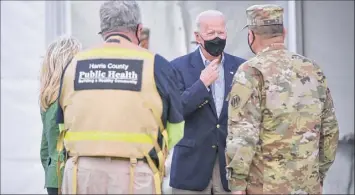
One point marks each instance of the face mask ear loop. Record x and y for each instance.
(250, 44)
(139, 42)
(203, 41)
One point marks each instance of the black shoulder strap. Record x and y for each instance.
(61, 80)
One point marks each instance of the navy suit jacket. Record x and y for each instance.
(205, 134)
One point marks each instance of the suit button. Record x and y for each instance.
(214, 146)
(217, 126)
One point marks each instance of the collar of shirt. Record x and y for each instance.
(205, 61)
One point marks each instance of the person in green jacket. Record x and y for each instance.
(58, 55)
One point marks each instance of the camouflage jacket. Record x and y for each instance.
(282, 129)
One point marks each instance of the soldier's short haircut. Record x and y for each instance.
(119, 16)
(269, 31)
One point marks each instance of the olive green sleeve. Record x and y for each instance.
(44, 144)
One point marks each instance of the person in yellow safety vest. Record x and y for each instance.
(120, 111)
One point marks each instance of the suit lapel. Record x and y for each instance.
(196, 63)
(197, 66)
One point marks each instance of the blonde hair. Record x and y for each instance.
(58, 55)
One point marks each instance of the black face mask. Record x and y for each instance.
(250, 44)
(215, 46)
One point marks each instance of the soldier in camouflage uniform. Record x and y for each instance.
(282, 129)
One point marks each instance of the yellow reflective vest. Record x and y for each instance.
(111, 105)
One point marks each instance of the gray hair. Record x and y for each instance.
(269, 31)
(119, 16)
(208, 13)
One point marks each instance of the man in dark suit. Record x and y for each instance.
(205, 78)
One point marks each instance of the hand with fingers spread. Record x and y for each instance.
(210, 73)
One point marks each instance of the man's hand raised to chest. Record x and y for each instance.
(210, 73)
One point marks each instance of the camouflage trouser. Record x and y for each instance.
(107, 176)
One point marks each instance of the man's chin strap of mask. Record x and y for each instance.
(250, 44)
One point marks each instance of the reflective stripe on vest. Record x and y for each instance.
(110, 136)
